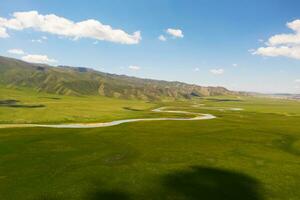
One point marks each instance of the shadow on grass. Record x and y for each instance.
(26, 106)
(50, 197)
(108, 195)
(210, 183)
(194, 183)
(223, 100)
(131, 109)
(9, 102)
(53, 98)
(16, 104)
(93, 195)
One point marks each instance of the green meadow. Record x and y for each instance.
(252, 153)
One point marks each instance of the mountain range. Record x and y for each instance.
(66, 80)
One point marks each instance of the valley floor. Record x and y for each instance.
(249, 153)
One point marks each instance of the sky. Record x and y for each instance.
(239, 44)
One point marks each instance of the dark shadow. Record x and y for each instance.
(50, 197)
(195, 94)
(40, 68)
(210, 184)
(27, 106)
(81, 69)
(131, 109)
(8, 102)
(223, 100)
(93, 195)
(16, 104)
(54, 98)
(108, 195)
(194, 183)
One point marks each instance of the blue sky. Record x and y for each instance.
(226, 43)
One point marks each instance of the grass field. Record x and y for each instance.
(33, 107)
(249, 154)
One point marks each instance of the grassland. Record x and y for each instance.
(248, 154)
(34, 107)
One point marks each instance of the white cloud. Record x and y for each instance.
(293, 38)
(64, 27)
(38, 59)
(162, 38)
(297, 80)
(43, 38)
(134, 67)
(177, 33)
(196, 69)
(3, 33)
(273, 51)
(217, 71)
(287, 45)
(235, 65)
(16, 51)
(37, 40)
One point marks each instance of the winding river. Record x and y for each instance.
(198, 116)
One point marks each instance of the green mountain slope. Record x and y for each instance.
(66, 80)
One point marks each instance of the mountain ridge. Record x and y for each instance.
(67, 80)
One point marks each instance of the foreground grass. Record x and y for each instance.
(250, 154)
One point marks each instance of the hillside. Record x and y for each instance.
(66, 80)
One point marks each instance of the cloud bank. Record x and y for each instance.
(287, 45)
(57, 25)
(38, 59)
(32, 58)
